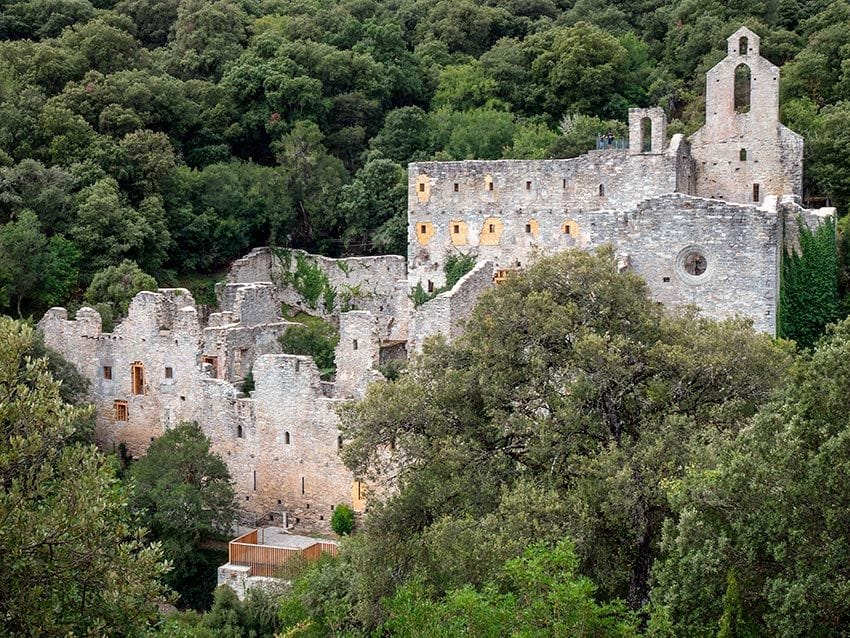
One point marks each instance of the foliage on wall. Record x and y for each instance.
(455, 268)
(808, 298)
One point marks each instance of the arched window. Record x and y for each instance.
(286, 438)
(743, 44)
(238, 431)
(742, 88)
(646, 135)
(602, 190)
(742, 155)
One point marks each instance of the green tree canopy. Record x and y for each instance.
(182, 491)
(568, 379)
(74, 562)
(774, 511)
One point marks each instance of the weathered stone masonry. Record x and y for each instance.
(703, 220)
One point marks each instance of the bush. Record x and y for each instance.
(317, 340)
(342, 521)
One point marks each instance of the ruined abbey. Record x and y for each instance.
(703, 219)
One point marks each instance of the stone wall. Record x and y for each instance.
(161, 337)
(280, 444)
(376, 284)
(745, 156)
(447, 313)
(739, 245)
(357, 354)
(506, 211)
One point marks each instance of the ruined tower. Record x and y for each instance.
(743, 153)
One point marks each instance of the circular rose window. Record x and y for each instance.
(692, 264)
(695, 263)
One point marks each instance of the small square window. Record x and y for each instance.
(354, 344)
(122, 411)
(107, 372)
(169, 373)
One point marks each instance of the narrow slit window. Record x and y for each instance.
(238, 431)
(566, 229)
(354, 344)
(489, 186)
(421, 187)
(107, 372)
(423, 229)
(302, 484)
(492, 228)
(456, 229)
(528, 228)
(255, 480)
(430, 286)
(742, 155)
(602, 190)
(286, 438)
(457, 187)
(528, 186)
(756, 193)
(563, 183)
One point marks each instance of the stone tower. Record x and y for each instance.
(743, 153)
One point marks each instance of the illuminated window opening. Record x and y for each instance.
(137, 370)
(122, 411)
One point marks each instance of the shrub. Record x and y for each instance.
(317, 340)
(342, 521)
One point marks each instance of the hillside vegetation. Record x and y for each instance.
(180, 133)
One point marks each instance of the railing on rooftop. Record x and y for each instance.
(609, 142)
(267, 560)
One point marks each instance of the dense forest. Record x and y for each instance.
(180, 133)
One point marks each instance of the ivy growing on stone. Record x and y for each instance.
(455, 268)
(808, 298)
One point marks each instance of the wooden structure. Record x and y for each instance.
(269, 560)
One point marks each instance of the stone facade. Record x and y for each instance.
(703, 220)
(744, 154)
(700, 219)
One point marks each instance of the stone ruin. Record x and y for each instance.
(704, 220)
